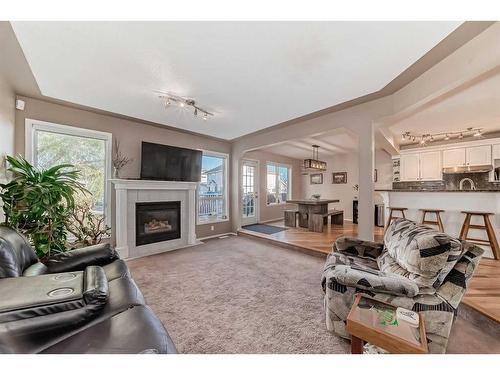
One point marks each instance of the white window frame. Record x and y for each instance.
(31, 126)
(226, 189)
(289, 167)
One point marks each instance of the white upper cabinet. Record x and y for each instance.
(430, 166)
(496, 151)
(479, 155)
(454, 157)
(422, 166)
(410, 167)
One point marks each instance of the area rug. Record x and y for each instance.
(240, 295)
(263, 228)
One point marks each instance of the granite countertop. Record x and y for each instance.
(440, 190)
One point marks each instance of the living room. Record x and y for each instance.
(190, 187)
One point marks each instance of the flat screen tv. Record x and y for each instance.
(169, 163)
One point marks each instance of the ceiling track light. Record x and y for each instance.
(182, 102)
(424, 139)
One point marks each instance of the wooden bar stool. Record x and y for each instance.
(391, 216)
(437, 222)
(492, 239)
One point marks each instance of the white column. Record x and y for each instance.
(366, 185)
(192, 216)
(236, 189)
(121, 223)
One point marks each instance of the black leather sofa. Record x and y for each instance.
(81, 301)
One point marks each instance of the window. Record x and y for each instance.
(278, 183)
(88, 150)
(212, 192)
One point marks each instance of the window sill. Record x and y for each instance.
(211, 221)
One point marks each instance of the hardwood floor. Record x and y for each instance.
(303, 239)
(483, 293)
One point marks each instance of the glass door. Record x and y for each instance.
(250, 194)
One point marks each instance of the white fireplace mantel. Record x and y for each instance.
(130, 192)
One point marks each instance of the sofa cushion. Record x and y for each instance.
(16, 253)
(422, 250)
(136, 330)
(387, 264)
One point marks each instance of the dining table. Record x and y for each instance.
(308, 207)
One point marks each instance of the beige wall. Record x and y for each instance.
(273, 212)
(7, 120)
(345, 193)
(129, 133)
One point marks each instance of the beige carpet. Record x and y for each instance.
(238, 295)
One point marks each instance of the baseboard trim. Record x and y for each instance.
(217, 235)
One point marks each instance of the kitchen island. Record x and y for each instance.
(451, 201)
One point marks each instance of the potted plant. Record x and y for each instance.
(38, 203)
(87, 226)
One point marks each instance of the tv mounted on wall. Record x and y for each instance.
(170, 163)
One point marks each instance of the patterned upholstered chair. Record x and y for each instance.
(417, 267)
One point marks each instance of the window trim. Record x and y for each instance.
(226, 189)
(31, 126)
(289, 167)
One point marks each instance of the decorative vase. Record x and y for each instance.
(116, 172)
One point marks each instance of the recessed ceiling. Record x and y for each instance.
(476, 106)
(332, 143)
(251, 74)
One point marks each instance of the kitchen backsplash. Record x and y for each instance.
(451, 182)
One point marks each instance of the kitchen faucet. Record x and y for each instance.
(471, 183)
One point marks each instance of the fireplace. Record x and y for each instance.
(157, 221)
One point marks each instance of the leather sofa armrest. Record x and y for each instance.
(26, 326)
(79, 259)
(359, 248)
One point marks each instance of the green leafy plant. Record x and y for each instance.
(38, 203)
(87, 226)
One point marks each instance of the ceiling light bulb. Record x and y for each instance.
(182, 104)
(460, 136)
(477, 133)
(403, 137)
(196, 111)
(447, 137)
(205, 116)
(422, 141)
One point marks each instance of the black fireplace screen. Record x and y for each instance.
(157, 221)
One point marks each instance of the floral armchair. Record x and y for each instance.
(417, 267)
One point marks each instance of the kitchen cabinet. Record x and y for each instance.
(422, 166)
(467, 156)
(410, 167)
(430, 166)
(454, 157)
(479, 155)
(496, 152)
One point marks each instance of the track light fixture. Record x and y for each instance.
(424, 139)
(170, 99)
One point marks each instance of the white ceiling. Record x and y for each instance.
(252, 75)
(332, 143)
(475, 106)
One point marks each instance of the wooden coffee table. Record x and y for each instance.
(370, 321)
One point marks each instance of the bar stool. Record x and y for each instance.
(437, 222)
(492, 239)
(391, 216)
